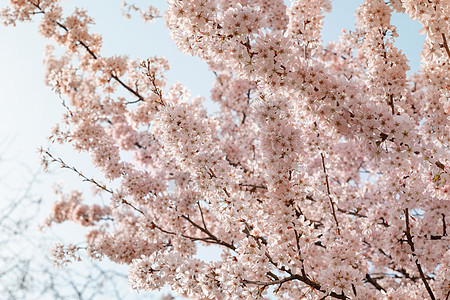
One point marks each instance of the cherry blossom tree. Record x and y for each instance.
(325, 173)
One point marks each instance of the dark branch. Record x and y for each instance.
(333, 211)
(445, 44)
(419, 267)
(301, 278)
(373, 282)
(211, 236)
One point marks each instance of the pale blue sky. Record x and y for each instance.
(29, 109)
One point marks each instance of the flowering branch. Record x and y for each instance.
(373, 282)
(329, 193)
(86, 179)
(212, 239)
(211, 236)
(444, 39)
(92, 54)
(301, 278)
(419, 267)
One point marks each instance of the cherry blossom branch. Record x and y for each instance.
(205, 239)
(151, 75)
(253, 187)
(445, 45)
(210, 239)
(419, 267)
(404, 275)
(201, 214)
(402, 271)
(86, 179)
(352, 213)
(209, 234)
(248, 102)
(373, 282)
(93, 55)
(140, 98)
(65, 29)
(268, 283)
(444, 226)
(293, 277)
(329, 193)
(391, 103)
(303, 278)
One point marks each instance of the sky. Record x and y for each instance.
(29, 109)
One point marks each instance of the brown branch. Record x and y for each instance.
(93, 55)
(373, 282)
(391, 103)
(201, 213)
(253, 187)
(444, 226)
(211, 236)
(134, 92)
(445, 44)
(406, 274)
(292, 277)
(267, 283)
(333, 211)
(352, 213)
(205, 239)
(408, 231)
(419, 267)
(303, 278)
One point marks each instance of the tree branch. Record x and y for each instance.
(209, 234)
(292, 277)
(419, 267)
(85, 178)
(333, 211)
(93, 55)
(445, 44)
(373, 282)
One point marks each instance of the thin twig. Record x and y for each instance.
(85, 178)
(329, 193)
(268, 283)
(205, 239)
(201, 213)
